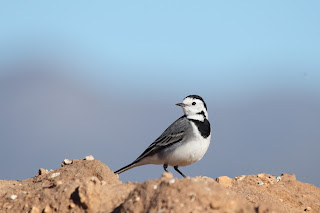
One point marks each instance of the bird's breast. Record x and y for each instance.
(190, 150)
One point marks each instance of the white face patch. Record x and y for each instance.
(194, 107)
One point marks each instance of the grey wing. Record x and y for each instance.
(173, 134)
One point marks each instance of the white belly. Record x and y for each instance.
(189, 151)
(183, 153)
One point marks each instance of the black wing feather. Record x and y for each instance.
(173, 134)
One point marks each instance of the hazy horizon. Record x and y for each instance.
(102, 78)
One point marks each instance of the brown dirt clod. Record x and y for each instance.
(90, 186)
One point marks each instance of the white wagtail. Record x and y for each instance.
(184, 142)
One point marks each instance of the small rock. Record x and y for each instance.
(172, 181)
(34, 210)
(66, 162)
(26, 206)
(167, 175)
(214, 205)
(308, 209)
(192, 196)
(270, 180)
(72, 205)
(261, 175)
(155, 187)
(278, 179)
(265, 178)
(55, 174)
(260, 183)
(240, 178)
(224, 180)
(42, 171)
(47, 209)
(13, 197)
(89, 157)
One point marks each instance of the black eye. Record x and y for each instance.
(193, 103)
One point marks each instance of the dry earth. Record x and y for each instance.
(88, 185)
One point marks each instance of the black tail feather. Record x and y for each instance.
(123, 169)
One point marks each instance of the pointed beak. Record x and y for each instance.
(181, 104)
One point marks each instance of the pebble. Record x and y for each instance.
(224, 180)
(42, 171)
(260, 183)
(155, 187)
(278, 179)
(214, 205)
(26, 206)
(13, 197)
(55, 174)
(240, 178)
(89, 157)
(308, 209)
(172, 181)
(167, 175)
(47, 209)
(67, 161)
(192, 196)
(72, 205)
(34, 210)
(95, 180)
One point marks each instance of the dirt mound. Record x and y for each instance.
(90, 186)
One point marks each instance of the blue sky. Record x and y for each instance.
(256, 63)
(239, 44)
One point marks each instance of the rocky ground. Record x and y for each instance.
(88, 185)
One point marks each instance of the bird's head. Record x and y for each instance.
(194, 107)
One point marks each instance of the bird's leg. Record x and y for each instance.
(176, 168)
(165, 166)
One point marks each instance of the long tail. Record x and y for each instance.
(130, 166)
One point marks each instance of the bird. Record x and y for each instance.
(183, 143)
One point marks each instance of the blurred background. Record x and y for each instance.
(103, 77)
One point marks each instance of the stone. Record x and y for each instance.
(167, 175)
(89, 157)
(225, 180)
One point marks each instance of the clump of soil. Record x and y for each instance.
(88, 185)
